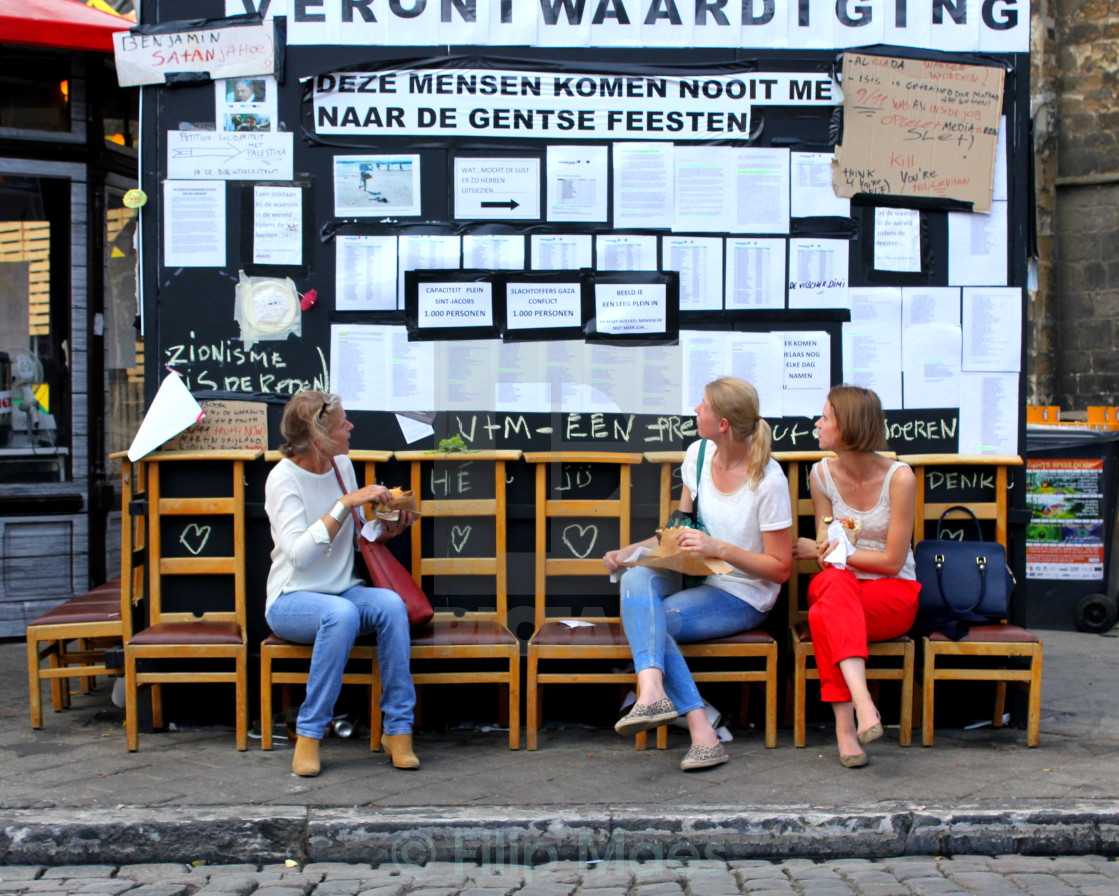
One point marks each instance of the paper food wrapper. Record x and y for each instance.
(845, 532)
(667, 555)
(401, 500)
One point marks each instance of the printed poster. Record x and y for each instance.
(1065, 537)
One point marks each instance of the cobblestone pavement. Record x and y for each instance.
(918, 875)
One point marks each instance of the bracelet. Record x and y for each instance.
(338, 512)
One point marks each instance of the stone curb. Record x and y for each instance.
(265, 835)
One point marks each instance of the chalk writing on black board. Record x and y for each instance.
(459, 536)
(194, 538)
(581, 479)
(225, 365)
(446, 482)
(580, 540)
(935, 479)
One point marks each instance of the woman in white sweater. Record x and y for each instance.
(313, 595)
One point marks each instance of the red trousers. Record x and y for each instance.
(846, 613)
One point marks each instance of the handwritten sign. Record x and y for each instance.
(226, 52)
(229, 155)
(915, 127)
(228, 425)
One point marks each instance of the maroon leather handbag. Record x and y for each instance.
(385, 571)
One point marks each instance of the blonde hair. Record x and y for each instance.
(737, 401)
(859, 417)
(308, 417)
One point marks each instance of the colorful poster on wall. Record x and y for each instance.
(1065, 536)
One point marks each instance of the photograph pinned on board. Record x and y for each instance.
(376, 186)
(245, 104)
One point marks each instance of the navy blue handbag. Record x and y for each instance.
(963, 583)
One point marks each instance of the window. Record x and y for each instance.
(34, 329)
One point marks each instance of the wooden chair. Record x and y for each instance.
(892, 660)
(473, 647)
(176, 641)
(274, 649)
(987, 648)
(74, 636)
(604, 639)
(755, 645)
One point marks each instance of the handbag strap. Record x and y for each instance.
(969, 512)
(353, 510)
(698, 477)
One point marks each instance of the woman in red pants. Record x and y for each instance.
(872, 596)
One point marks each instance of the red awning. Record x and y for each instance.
(63, 24)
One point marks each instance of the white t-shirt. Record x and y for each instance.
(740, 517)
(303, 556)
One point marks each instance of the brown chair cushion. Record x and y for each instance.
(274, 640)
(69, 613)
(998, 633)
(601, 634)
(803, 633)
(171, 633)
(462, 631)
(753, 636)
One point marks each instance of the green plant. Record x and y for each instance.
(454, 444)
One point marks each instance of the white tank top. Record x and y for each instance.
(876, 521)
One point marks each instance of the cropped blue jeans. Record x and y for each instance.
(332, 622)
(658, 616)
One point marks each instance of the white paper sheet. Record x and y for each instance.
(811, 190)
(977, 247)
(758, 358)
(989, 416)
(577, 183)
(465, 371)
(931, 365)
(172, 410)
(761, 190)
(659, 379)
(897, 239)
(376, 368)
(699, 261)
(229, 155)
(427, 252)
(642, 185)
(454, 304)
(532, 305)
(703, 196)
(494, 251)
(194, 223)
(807, 373)
(520, 383)
(561, 251)
(755, 273)
(627, 308)
(365, 273)
(929, 305)
(818, 273)
(413, 430)
(872, 342)
(625, 252)
(992, 322)
(277, 225)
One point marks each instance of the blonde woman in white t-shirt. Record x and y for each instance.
(743, 502)
(313, 595)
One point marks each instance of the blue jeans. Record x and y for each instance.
(332, 622)
(657, 617)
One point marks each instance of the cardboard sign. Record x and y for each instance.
(915, 127)
(227, 426)
(220, 52)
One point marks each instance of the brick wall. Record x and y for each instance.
(1083, 245)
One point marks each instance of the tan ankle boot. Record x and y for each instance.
(399, 750)
(305, 763)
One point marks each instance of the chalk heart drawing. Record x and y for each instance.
(580, 539)
(459, 536)
(194, 538)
